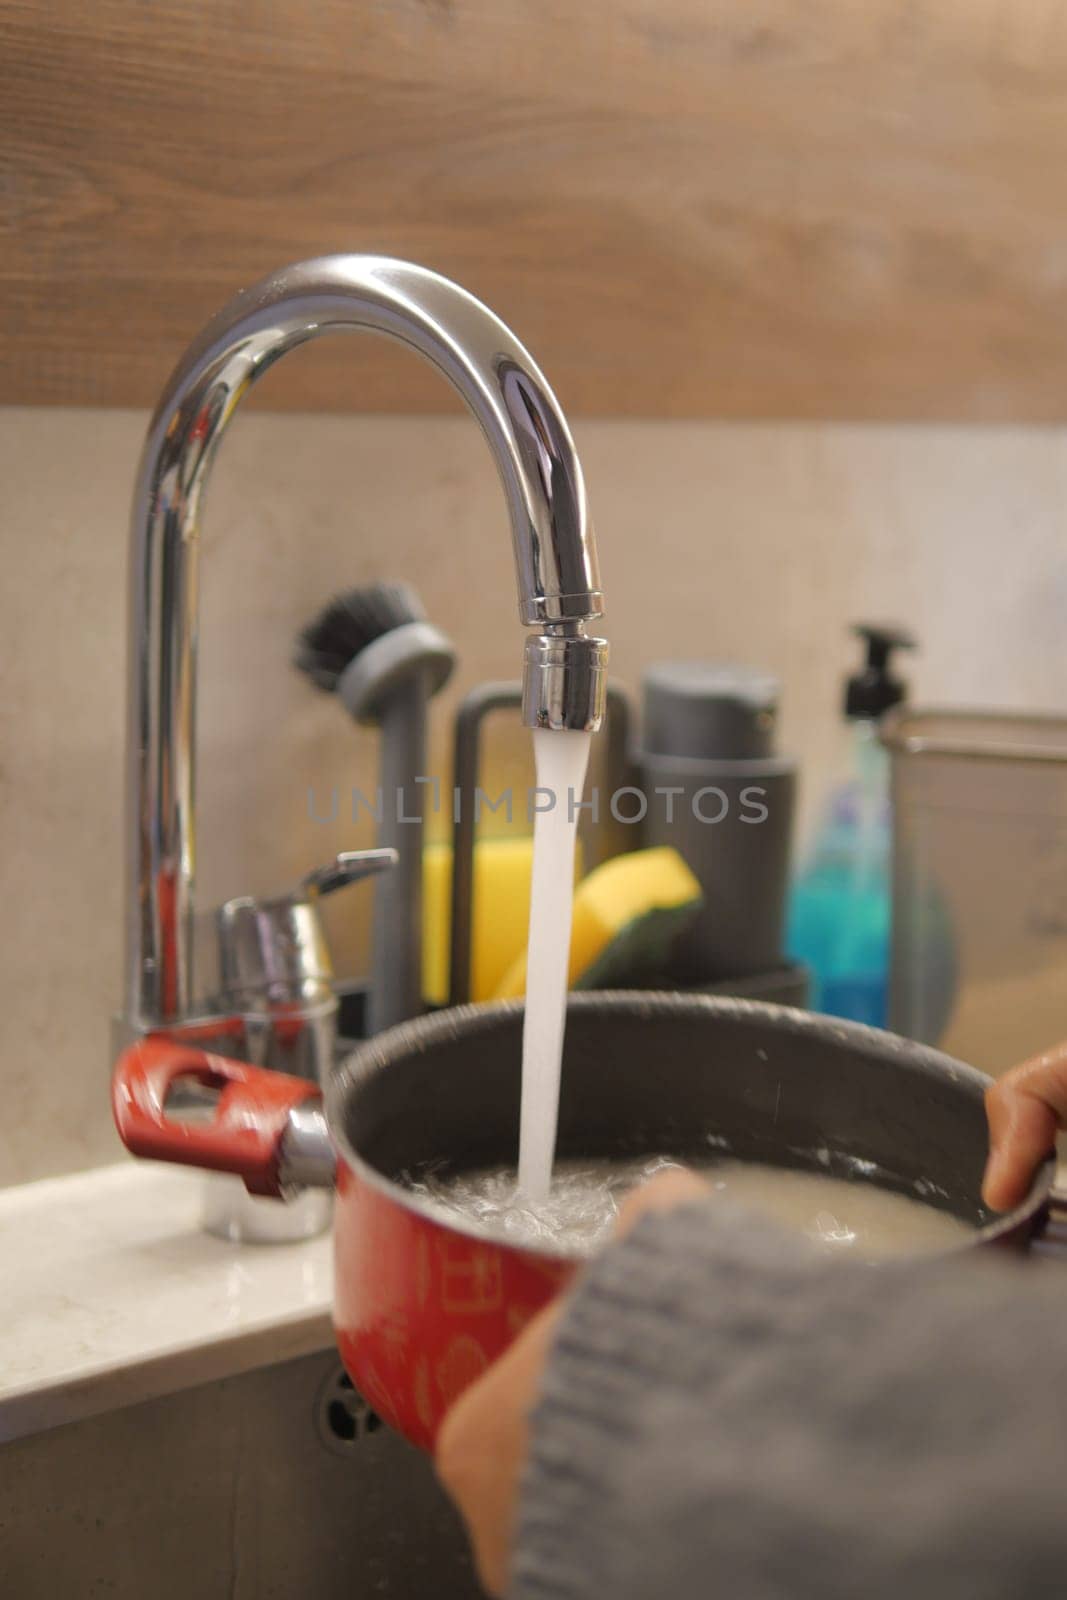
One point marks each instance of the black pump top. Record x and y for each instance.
(871, 692)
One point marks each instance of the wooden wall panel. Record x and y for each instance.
(784, 208)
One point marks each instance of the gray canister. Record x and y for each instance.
(719, 794)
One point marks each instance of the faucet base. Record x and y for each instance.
(230, 1212)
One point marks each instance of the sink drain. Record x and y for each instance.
(342, 1416)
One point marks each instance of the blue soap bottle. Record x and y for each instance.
(839, 908)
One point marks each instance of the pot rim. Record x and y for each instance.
(422, 1033)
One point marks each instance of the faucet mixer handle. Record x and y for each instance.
(273, 951)
(349, 866)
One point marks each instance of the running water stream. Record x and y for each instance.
(560, 759)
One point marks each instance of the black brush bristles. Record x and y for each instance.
(348, 625)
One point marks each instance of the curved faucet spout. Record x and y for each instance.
(555, 555)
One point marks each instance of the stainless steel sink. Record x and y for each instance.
(276, 1485)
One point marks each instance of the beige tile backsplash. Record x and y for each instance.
(753, 542)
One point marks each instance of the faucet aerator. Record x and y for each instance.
(564, 681)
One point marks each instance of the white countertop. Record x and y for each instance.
(111, 1293)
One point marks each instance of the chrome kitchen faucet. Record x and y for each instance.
(555, 561)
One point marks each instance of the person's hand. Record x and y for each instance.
(1025, 1108)
(481, 1448)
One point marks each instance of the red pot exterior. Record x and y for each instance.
(420, 1311)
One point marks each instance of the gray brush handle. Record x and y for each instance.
(396, 990)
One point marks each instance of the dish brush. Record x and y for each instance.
(376, 651)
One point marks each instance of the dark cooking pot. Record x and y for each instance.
(423, 1304)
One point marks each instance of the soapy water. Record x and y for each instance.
(578, 1212)
(561, 759)
(858, 1219)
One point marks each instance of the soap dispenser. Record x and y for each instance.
(839, 911)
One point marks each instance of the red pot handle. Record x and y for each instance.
(243, 1137)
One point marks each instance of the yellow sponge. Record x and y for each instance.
(627, 914)
(501, 915)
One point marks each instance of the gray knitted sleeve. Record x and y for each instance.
(725, 1415)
